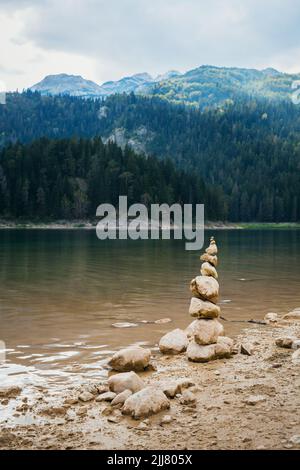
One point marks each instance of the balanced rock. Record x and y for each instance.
(203, 308)
(212, 249)
(225, 340)
(197, 353)
(222, 350)
(206, 288)
(210, 259)
(146, 402)
(125, 381)
(134, 358)
(208, 270)
(174, 342)
(207, 331)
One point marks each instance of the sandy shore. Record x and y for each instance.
(246, 402)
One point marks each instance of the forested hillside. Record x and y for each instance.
(249, 152)
(69, 178)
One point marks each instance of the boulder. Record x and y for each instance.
(174, 342)
(125, 381)
(121, 397)
(208, 270)
(210, 259)
(203, 308)
(206, 288)
(197, 353)
(285, 342)
(146, 402)
(207, 331)
(294, 315)
(271, 317)
(134, 358)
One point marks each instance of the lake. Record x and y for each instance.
(62, 290)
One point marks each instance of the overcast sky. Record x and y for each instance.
(105, 40)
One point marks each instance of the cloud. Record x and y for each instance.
(121, 37)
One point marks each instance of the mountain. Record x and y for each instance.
(63, 84)
(205, 86)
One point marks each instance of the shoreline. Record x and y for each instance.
(91, 225)
(245, 402)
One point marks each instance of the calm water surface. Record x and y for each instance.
(61, 292)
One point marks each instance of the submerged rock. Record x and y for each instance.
(174, 342)
(146, 402)
(208, 270)
(162, 321)
(206, 288)
(134, 358)
(203, 308)
(125, 381)
(124, 325)
(207, 331)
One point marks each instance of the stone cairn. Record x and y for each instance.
(204, 338)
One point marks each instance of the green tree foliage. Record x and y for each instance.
(248, 152)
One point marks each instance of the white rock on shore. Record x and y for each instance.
(125, 381)
(133, 358)
(149, 401)
(174, 342)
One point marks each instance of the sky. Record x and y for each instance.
(106, 40)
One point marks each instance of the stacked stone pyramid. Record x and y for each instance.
(206, 332)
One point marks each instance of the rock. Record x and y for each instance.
(106, 396)
(296, 356)
(174, 342)
(271, 317)
(295, 439)
(124, 325)
(55, 411)
(212, 249)
(173, 388)
(254, 399)
(208, 270)
(296, 344)
(101, 388)
(10, 391)
(121, 397)
(187, 397)
(143, 426)
(294, 315)
(207, 331)
(203, 308)
(71, 401)
(86, 396)
(228, 341)
(167, 419)
(222, 350)
(246, 349)
(285, 342)
(197, 353)
(125, 381)
(162, 321)
(134, 358)
(146, 402)
(206, 288)
(210, 259)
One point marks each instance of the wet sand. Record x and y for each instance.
(224, 416)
